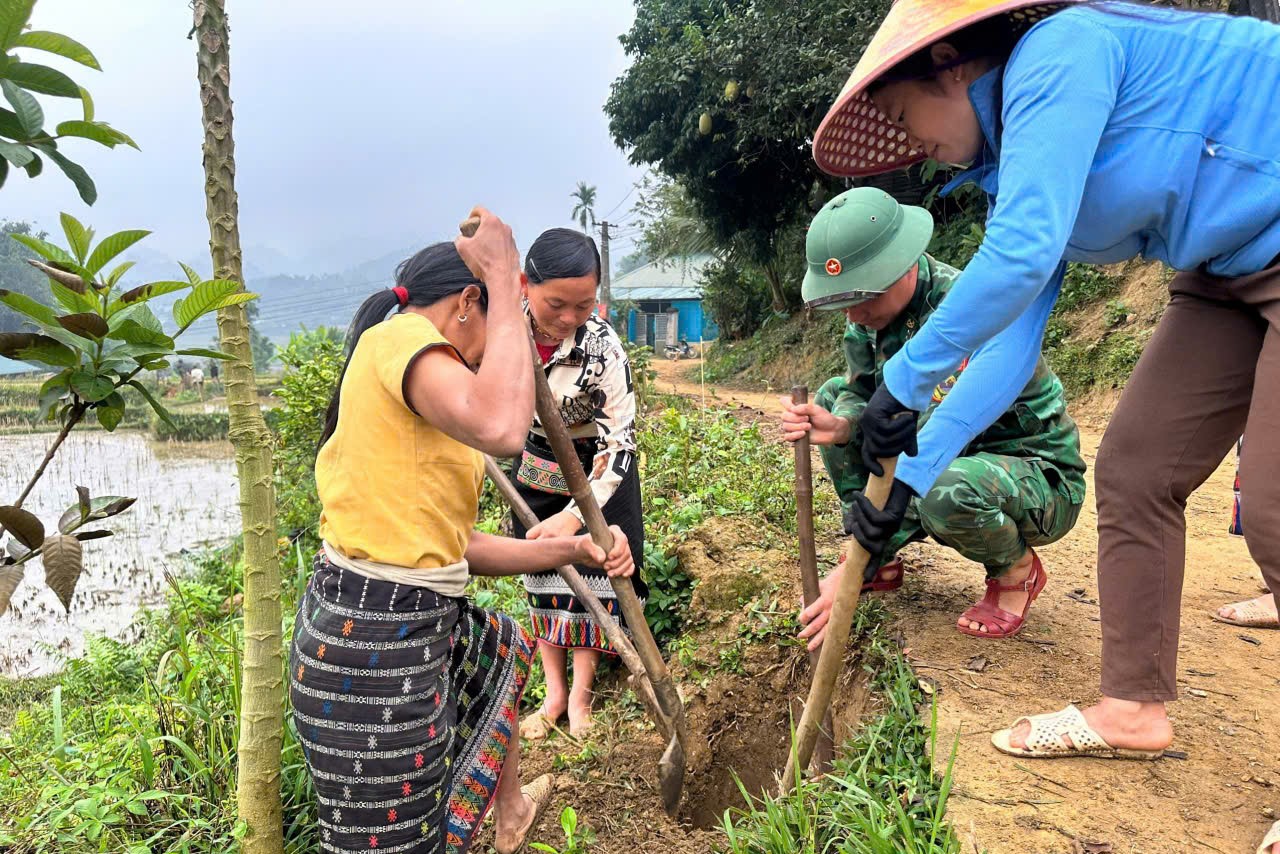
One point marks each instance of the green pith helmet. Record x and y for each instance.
(859, 244)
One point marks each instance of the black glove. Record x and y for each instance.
(886, 430)
(872, 528)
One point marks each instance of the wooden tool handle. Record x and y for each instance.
(804, 507)
(469, 226)
(833, 645)
(824, 752)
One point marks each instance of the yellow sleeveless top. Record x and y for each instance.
(393, 489)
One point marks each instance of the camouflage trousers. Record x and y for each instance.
(988, 507)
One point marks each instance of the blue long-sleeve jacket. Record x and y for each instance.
(1109, 134)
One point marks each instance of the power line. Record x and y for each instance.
(621, 203)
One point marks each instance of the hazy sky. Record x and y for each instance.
(361, 128)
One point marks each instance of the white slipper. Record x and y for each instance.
(1048, 739)
(1249, 615)
(1270, 839)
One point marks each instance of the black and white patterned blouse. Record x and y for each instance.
(590, 376)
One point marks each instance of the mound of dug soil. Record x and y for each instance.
(742, 676)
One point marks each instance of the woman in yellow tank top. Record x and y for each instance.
(405, 694)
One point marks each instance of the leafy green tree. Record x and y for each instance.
(16, 274)
(25, 142)
(96, 342)
(584, 206)
(723, 96)
(312, 362)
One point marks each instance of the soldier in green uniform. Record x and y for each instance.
(1018, 484)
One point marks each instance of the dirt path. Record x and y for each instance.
(1220, 798)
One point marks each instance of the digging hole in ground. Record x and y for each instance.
(748, 740)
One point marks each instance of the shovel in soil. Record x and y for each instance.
(671, 766)
(831, 657)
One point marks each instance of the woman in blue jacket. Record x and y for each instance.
(1099, 132)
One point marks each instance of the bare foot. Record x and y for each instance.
(1260, 611)
(511, 824)
(537, 725)
(580, 719)
(1012, 601)
(1123, 724)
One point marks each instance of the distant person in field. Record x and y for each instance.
(405, 694)
(197, 380)
(1259, 612)
(590, 375)
(1016, 485)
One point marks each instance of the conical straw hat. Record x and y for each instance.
(856, 138)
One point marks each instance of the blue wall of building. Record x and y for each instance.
(694, 325)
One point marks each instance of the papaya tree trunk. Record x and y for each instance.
(262, 694)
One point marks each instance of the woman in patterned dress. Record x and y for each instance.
(590, 376)
(404, 693)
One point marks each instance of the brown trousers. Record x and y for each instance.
(1210, 373)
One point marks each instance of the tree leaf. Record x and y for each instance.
(16, 550)
(10, 578)
(91, 387)
(118, 273)
(16, 153)
(112, 246)
(72, 518)
(25, 107)
(68, 273)
(87, 324)
(133, 332)
(192, 276)
(35, 167)
(52, 393)
(207, 354)
(44, 249)
(234, 299)
(111, 412)
(83, 498)
(47, 351)
(155, 404)
(56, 332)
(139, 313)
(63, 564)
(85, 536)
(14, 15)
(106, 506)
(42, 79)
(57, 43)
(99, 132)
(75, 302)
(25, 527)
(142, 293)
(84, 184)
(31, 308)
(203, 299)
(77, 236)
(4, 171)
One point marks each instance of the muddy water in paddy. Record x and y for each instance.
(187, 498)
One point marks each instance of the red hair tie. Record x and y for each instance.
(402, 294)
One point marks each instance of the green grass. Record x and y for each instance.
(884, 796)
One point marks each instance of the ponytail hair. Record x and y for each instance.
(562, 253)
(423, 279)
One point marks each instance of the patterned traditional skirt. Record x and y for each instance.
(558, 617)
(405, 702)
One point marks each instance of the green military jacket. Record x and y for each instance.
(1037, 426)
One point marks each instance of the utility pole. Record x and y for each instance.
(605, 298)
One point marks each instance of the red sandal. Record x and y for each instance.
(887, 578)
(999, 622)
